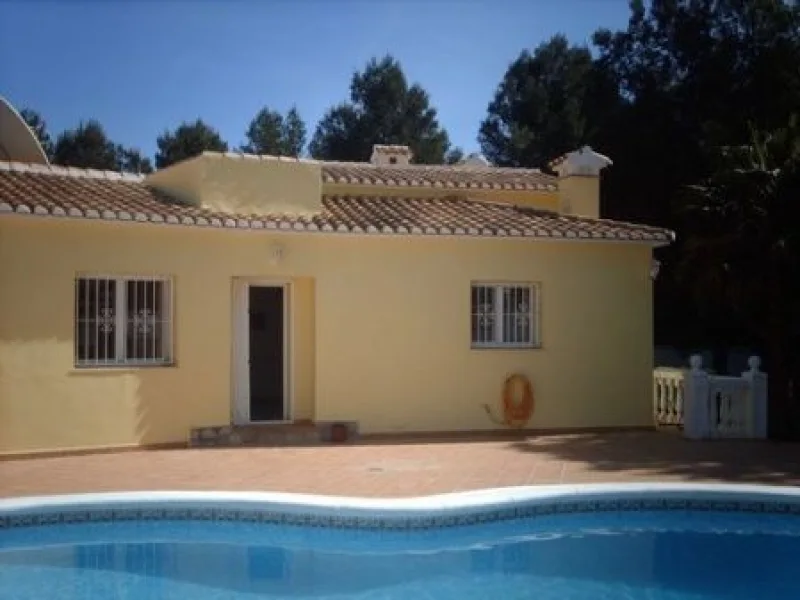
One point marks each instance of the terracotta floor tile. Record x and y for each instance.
(403, 469)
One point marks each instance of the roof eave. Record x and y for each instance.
(277, 226)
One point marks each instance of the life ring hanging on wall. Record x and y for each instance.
(517, 401)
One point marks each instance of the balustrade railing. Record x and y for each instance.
(711, 406)
(730, 405)
(668, 393)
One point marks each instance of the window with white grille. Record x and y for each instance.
(505, 315)
(123, 321)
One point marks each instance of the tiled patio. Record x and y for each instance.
(411, 468)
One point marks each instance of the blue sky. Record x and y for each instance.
(141, 67)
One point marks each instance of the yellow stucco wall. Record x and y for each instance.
(47, 403)
(244, 186)
(381, 331)
(579, 195)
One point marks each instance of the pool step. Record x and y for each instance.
(288, 434)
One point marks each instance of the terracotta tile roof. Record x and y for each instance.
(78, 193)
(463, 216)
(456, 177)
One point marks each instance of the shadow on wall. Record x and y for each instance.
(145, 404)
(655, 455)
(49, 403)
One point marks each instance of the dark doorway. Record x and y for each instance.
(266, 353)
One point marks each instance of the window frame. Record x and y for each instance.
(534, 315)
(121, 327)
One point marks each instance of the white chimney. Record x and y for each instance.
(474, 159)
(584, 161)
(390, 156)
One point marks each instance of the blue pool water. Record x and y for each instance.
(668, 555)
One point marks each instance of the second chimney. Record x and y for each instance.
(390, 156)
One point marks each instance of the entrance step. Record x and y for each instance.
(289, 434)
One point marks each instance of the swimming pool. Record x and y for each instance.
(660, 542)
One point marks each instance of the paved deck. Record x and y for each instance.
(411, 468)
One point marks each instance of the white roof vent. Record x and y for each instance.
(388, 156)
(475, 159)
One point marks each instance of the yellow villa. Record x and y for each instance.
(229, 293)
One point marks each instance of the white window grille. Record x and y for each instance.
(123, 321)
(505, 315)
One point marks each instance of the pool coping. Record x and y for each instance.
(425, 512)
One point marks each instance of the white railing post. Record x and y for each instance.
(757, 382)
(696, 413)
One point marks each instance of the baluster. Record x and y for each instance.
(679, 402)
(670, 401)
(675, 396)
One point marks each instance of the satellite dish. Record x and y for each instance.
(17, 142)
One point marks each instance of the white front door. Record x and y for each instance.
(261, 357)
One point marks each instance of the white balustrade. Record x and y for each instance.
(712, 406)
(729, 405)
(668, 396)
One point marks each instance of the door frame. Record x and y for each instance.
(240, 372)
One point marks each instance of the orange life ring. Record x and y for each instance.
(518, 402)
(517, 411)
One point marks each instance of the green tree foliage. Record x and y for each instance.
(272, 133)
(454, 156)
(685, 77)
(186, 141)
(695, 74)
(132, 160)
(39, 127)
(87, 146)
(743, 249)
(383, 109)
(540, 108)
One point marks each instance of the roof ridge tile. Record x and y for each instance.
(238, 155)
(76, 172)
